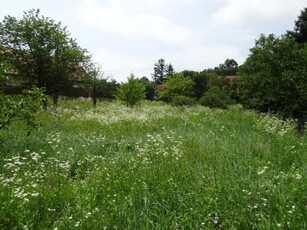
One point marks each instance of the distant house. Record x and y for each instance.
(222, 80)
(15, 83)
(159, 87)
(232, 77)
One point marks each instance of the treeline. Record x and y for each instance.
(183, 88)
(38, 51)
(272, 79)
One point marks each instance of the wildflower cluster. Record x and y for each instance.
(274, 125)
(165, 145)
(117, 113)
(23, 175)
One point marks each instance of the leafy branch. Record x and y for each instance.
(21, 107)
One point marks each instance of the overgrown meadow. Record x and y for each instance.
(152, 167)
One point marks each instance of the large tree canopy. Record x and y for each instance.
(41, 51)
(229, 67)
(275, 75)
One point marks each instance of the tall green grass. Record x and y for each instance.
(152, 167)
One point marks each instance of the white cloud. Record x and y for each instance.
(130, 36)
(132, 20)
(256, 12)
(201, 56)
(119, 66)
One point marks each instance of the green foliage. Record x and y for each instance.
(220, 81)
(41, 52)
(216, 98)
(131, 92)
(2, 82)
(182, 100)
(201, 82)
(149, 88)
(176, 85)
(106, 89)
(229, 67)
(149, 91)
(275, 75)
(169, 70)
(100, 87)
(21, 107)
(3, 66)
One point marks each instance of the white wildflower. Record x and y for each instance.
(51, 209)
(261, 171)
(88, 215)
(297, 176)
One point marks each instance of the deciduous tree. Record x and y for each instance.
(229, 67)
(177, 85)
(275, 75)
(42, 52)
(131, 92)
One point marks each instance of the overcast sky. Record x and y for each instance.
(129, 36)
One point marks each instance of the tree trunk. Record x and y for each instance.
(55, 100)
(94, 101)
(94, 95)
(269, 110)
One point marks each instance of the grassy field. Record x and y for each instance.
(153, 167)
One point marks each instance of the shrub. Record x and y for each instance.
(131, 92)
(182, 101)
(215, 98)
(21, 107)
(177, 85)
